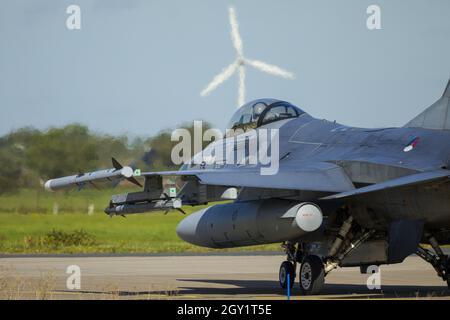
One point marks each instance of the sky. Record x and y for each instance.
(136, 67)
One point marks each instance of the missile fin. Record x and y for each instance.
(134, 181)
(116, 164)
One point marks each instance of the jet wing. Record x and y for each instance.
(318, 176)
(413, 179)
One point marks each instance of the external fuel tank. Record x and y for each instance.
(250, 223)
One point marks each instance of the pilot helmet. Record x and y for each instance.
(258, 108)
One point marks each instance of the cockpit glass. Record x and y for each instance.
(249, 116)
(280, 112)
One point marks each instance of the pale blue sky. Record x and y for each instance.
(138, 66)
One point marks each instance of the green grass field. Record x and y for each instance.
(41, 222)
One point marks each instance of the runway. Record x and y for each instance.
(229, 276)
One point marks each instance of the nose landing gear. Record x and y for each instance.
(313, 267)
(289, 266)
(312, 272)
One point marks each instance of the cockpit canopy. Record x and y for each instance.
(260, 112)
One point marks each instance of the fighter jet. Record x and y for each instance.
(342, 196)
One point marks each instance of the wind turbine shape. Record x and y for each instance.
(240, 63)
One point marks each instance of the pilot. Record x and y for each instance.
(258, 108)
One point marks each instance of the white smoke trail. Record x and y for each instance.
(240, 63)
(241, 96)
(235, 36)
(218, 79)
(271, 69)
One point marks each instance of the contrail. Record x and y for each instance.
(240, 63)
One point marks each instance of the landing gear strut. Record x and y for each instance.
(288, 267)
(439, 261)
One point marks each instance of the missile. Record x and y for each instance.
(129, 208)
(117, 173)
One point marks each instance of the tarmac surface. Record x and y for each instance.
(223, 276)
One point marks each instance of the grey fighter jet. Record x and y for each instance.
(342, 196)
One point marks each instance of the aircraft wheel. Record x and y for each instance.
(448, 271)
(312, 275)
(285, 269)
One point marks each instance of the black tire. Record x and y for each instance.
(312, 275)
(448, 271)
(285, 269)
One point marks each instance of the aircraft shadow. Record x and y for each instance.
(336, 291)
(249, 288)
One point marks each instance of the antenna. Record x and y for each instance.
(240, 63)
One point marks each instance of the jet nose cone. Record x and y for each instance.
(189, 229)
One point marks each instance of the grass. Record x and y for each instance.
(13, 286)
(39, 201)
(29, 223)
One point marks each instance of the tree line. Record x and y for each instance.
(29, 156)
